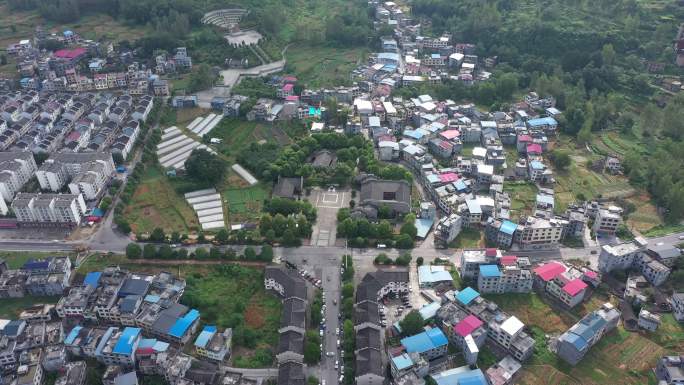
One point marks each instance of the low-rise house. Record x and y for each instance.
(503, 372)
(648, 320)
(670, 370)
(677, 302)
(574, 344)
(561, 282)
(430, 344)
(212, 344)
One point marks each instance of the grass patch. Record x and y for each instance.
(486, 358)
(645, 218)
(11, 307)
(670, 334)
(156, 204)
(238, 134)
(523, 198)
(531, 309)
(468, 239)
(665, 229)
(320, 66)
(245, 204)
(16, 259)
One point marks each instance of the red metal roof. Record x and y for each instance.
(534, 148)
(574, 287)
(70, 53)
(467, 325)
(549, 271)
(490, 252)
(509, 260)
(450, 134)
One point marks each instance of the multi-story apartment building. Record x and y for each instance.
(608, 220)
(117, 347)
(16, 168)
(633, 255)
(429, 344)
(49, 209)
(510, 277)
(471, 259)
(574, 344)
(539, 233)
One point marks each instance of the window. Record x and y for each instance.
(389, 195)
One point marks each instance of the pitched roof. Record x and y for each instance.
(549, 271)
(467, 325)
(509, 260)
(574, 287)
(466, 295)
(425, 341)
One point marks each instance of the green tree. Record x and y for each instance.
(266, 253)
(348, 290)
(202, 78)
(105, 203)
(250, 254)
(222, 236)
(149, 251)
(312, 350)
(561, 159)
(157, 235)
(205, 167)
(133, 251)
(412, 323)
(608, 54)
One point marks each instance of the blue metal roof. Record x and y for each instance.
(423, 226)
(204, 337)
(489, 271)
(415, 134)
(72, 335)
(508, 227)
(579, 342)
(402, 362)
(151, 298)
(388, 55)
(429, 311)
(431, 274)
(182, 324)
(537, 165)
(466, 295)
(92, 279)
(546, 121)
(473, 206)
(425, 341)
(460, 376)
(126, 341)
(460, 185)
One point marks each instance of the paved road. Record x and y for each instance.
(325, 263)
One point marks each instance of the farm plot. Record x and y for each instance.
(245, 204)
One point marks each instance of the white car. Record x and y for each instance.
(321, 333)
(337, 331)
(337, 363)
(341, 378)
(330, 354)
